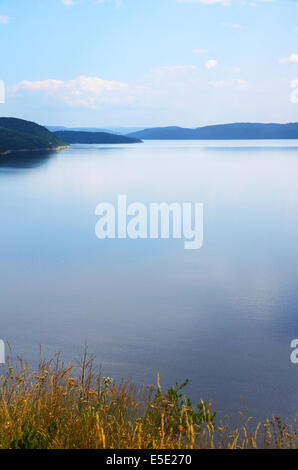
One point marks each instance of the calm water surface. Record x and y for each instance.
(223, 316)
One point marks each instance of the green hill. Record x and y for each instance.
(19, 135)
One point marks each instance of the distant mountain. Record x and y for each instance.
(221, 132)
(56, 128)
(125, 130)
(18, 135)
(164, 133)
(78, 129)
(76, 137)
(110, 130)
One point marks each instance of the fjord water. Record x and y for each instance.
(222, 316)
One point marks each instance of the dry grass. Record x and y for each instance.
(62, 406)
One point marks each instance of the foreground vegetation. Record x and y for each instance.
(64, 406)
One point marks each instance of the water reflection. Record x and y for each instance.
(223, 316)
(25, 160)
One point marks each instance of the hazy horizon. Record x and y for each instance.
(173, 125)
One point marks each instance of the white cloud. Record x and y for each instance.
(293, 58)
(67, 3)
(211, 64)
(4, 19)
(83, 91)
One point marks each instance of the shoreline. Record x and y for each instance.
(55, 149)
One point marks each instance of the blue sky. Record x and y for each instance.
(149, 62)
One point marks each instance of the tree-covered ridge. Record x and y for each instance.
(17, 135)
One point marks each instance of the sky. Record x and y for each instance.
(149, 63)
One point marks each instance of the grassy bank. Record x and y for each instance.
(64, 406)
